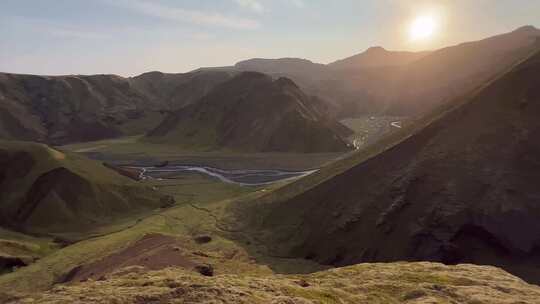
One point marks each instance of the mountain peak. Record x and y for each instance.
(376, 49)
(527, 29)
(254, 113)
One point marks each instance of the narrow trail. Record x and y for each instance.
(219, 226)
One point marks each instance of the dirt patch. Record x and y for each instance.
(90, 149)
(56, 154)
(153, 251)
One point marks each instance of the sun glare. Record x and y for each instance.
(423, 28)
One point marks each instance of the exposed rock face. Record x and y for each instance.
(361, 284)
(253, 112)
(463, 189)
(63, 109)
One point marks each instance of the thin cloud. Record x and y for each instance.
(157, 10)
(253, 5)
(298, 3)
(49, 28)
(71, 33)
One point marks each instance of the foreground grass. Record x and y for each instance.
(200, 202)
(366, 283)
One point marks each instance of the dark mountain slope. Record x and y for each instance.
(175, 91)
(452, 71)
(69, 108)
(65, 109)
(252, 112)
(462, 189)
(45, 191)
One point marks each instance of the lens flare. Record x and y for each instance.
(423, 28)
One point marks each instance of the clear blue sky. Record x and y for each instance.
(128, 37)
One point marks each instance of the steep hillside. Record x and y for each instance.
(69, 108)
(377, 57)
(464, 189)
(253, 112)
(65, 109)
(175, 91)
(45, 191)
(449, 72)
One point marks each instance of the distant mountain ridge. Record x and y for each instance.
(64, 109)
(378, 57)
(75, 108)
(403, 83)
(252, 112)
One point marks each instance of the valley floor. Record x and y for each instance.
(130, 150)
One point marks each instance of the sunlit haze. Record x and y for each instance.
(423, 27)
(129, 37)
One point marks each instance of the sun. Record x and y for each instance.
(423, 28)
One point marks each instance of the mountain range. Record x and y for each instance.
(65, 109)
(76, 108)
(403, 83)
(408, 217)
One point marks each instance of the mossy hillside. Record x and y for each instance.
(367, 283)
(197, 197)
(47, 191)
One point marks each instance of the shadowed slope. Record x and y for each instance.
(463, 189)
(252, 112)
(45, 191)
(76, 108)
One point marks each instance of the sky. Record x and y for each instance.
(130, 37)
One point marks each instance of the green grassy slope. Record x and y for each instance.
(45, 191)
